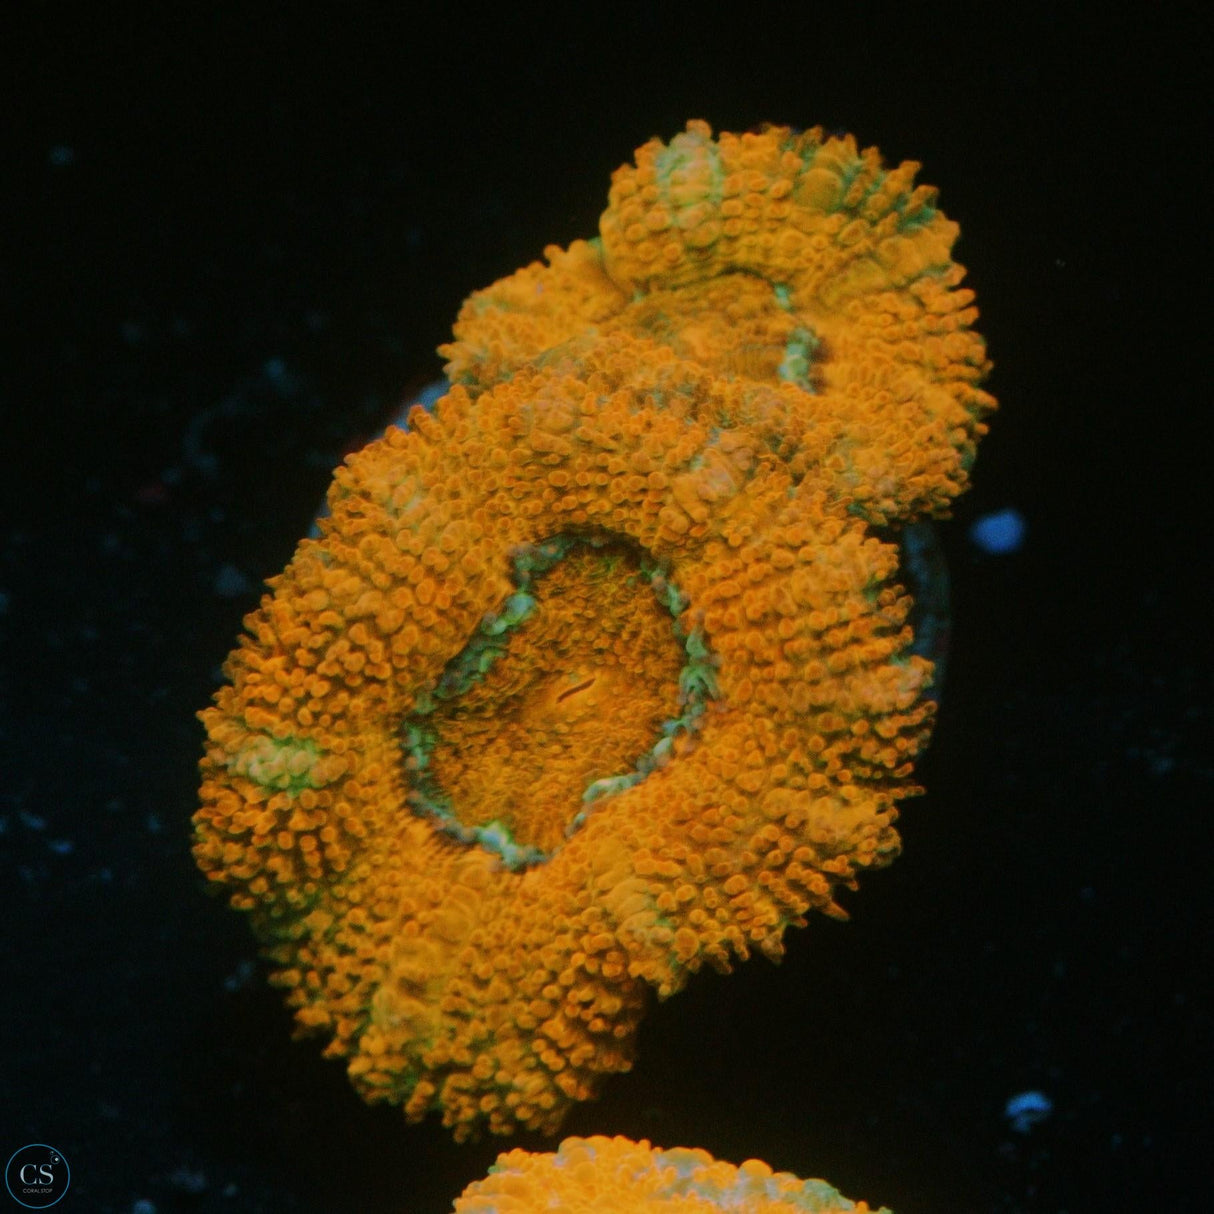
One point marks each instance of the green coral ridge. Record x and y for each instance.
(800, 348)
(285, 765)
(742, 1189)
(697, 685)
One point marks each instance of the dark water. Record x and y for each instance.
(231, 247)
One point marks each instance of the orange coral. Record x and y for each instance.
(780, 258)
(590, 1175)
(597, 672)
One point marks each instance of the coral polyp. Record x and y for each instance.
(601, 671)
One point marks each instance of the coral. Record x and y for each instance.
(591, 1175)
(599, 672)
(778, 258)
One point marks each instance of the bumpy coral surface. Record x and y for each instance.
(593, 1175)
(599, 671)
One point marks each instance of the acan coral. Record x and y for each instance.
(591, 1175)
(599, 672)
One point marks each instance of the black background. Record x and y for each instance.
(231, 244)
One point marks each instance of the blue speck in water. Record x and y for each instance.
(1000, 532)
(1026, 1109)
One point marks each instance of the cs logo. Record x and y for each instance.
(37, 1176)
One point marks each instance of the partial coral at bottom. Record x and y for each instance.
(617, 1175)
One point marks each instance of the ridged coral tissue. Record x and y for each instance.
(601, 670)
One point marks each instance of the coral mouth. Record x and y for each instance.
(585, 686)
